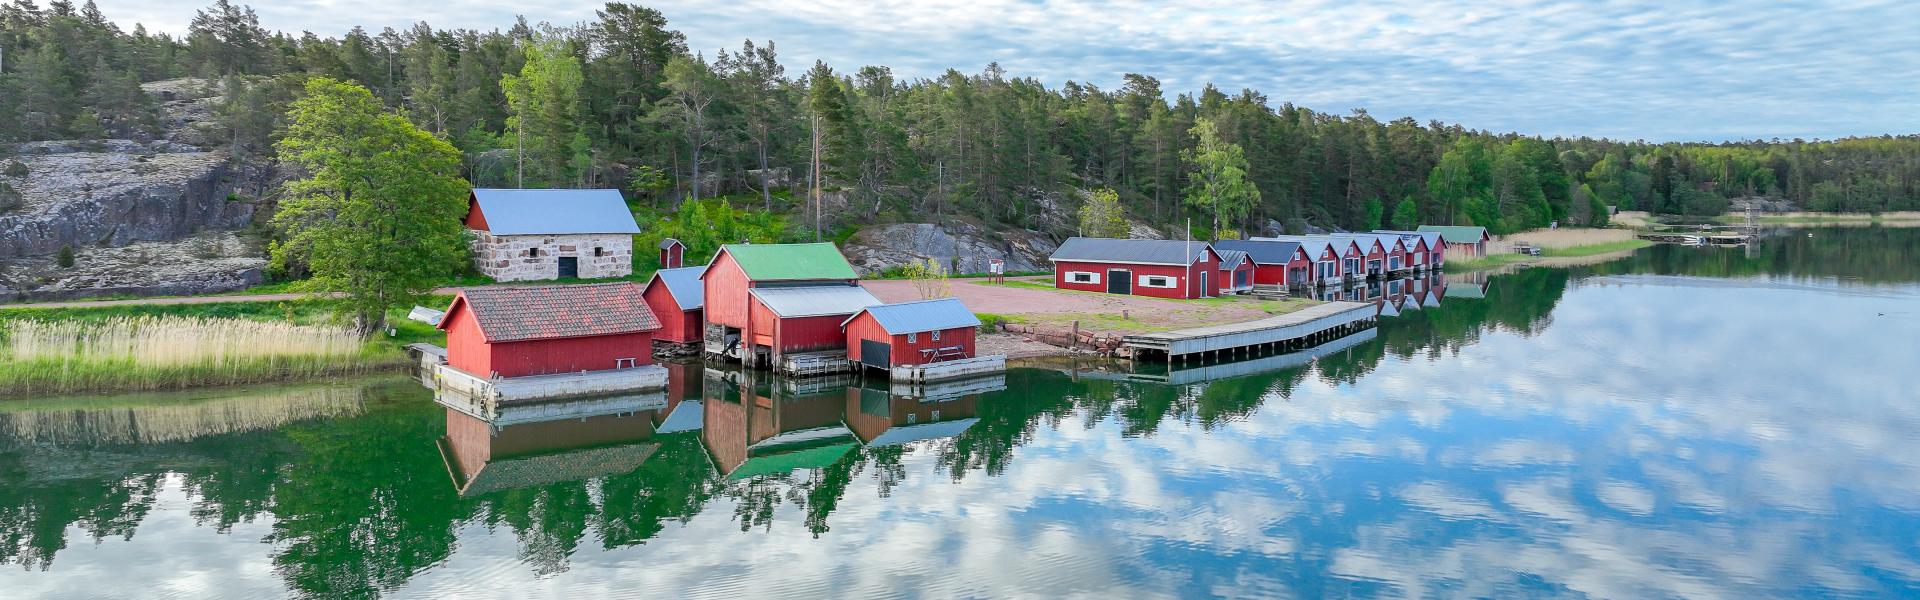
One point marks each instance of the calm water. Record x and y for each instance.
(1682, 423)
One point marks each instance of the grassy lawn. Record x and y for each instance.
(1593, 249)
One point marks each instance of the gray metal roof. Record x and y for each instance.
(669, 243)
(554, 212)
(815, 300)
(684, 284)
(1148, 252)
(1265, 252)
(1431, 237)
(923, 315)
(1345, 242)
(1231, 259)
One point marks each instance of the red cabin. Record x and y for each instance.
(911, 333)
(673, 254)
(539, 330)
(676, 297)
(766, 300)
(1467, 240)
(1159, 268)
(1236, 272)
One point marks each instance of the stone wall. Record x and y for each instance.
(504, 258)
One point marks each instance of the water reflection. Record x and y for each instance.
(1548, 432)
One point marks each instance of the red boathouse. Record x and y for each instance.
(911, 333)
(1160, 268)
(512, 331)
(1274, 262)
(676, 297)
(767, 300)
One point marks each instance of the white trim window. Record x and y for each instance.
(1083, 277)
(913, 338)
(1159, 281)
(936, 335)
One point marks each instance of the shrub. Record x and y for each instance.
(16, 169)
(65, 259)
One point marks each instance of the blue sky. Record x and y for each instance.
(1680, 70)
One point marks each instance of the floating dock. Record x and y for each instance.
(486, 397)
(949, 369)
(1296, 330)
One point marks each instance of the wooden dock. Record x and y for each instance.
(1227, 369)
(488, 396)
(1300, 329)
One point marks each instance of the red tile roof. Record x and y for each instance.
(518, 313)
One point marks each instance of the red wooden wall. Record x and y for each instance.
(726, 290)
(475, 220)
(466, 345)
(678, 326)
(570, 355)
(807, 334)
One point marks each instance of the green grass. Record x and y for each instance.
(1485, 262)
(1590, 250)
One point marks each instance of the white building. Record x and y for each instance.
(524, 235)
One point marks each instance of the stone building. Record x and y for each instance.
(523, 235)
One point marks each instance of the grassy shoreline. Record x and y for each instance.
(1500, 260)
(237, 343)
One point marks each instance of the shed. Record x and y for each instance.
(523, 235)
(1333, 259)
(741, 325)
(1274, 262)
(1467, 240)
(676, 297)
(911, 333)
(673, 254)
(513, 331)
(1160, 268)
(1236, 272)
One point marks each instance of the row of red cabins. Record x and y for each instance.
(1186, 269)
(753, 302)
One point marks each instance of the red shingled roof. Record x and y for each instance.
(518, 313)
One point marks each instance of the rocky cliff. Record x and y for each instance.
(99, 197)
(962, 247)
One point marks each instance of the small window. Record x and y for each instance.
(1082, 277)
(1156, 281)
(598, 251)
(913, 338)
(936, 335)
(533, 252)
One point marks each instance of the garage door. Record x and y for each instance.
(1119, 281)
(876, 354)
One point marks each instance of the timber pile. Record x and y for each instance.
(1270, 291)
(1105, 344)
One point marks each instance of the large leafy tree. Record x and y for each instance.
(1219, 184)
(1103, 216)
(376, 218)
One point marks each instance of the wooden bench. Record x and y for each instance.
(934, 355)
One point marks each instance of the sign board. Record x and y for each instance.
(997, 266)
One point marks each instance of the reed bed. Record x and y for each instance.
(169, 352)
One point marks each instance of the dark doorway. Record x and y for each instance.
(1119, 281)
(876, 354)
(569, 267)
(1204, 290)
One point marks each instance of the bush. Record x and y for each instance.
(991, 323)
(16, 169)
(65, 259)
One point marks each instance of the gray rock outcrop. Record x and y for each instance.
(962, 247)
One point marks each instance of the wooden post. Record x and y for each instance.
(1074, 342)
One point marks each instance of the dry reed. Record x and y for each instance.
(149, 353)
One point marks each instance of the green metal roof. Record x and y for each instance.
(774, 262)
(811, 458)
(1457, 234)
